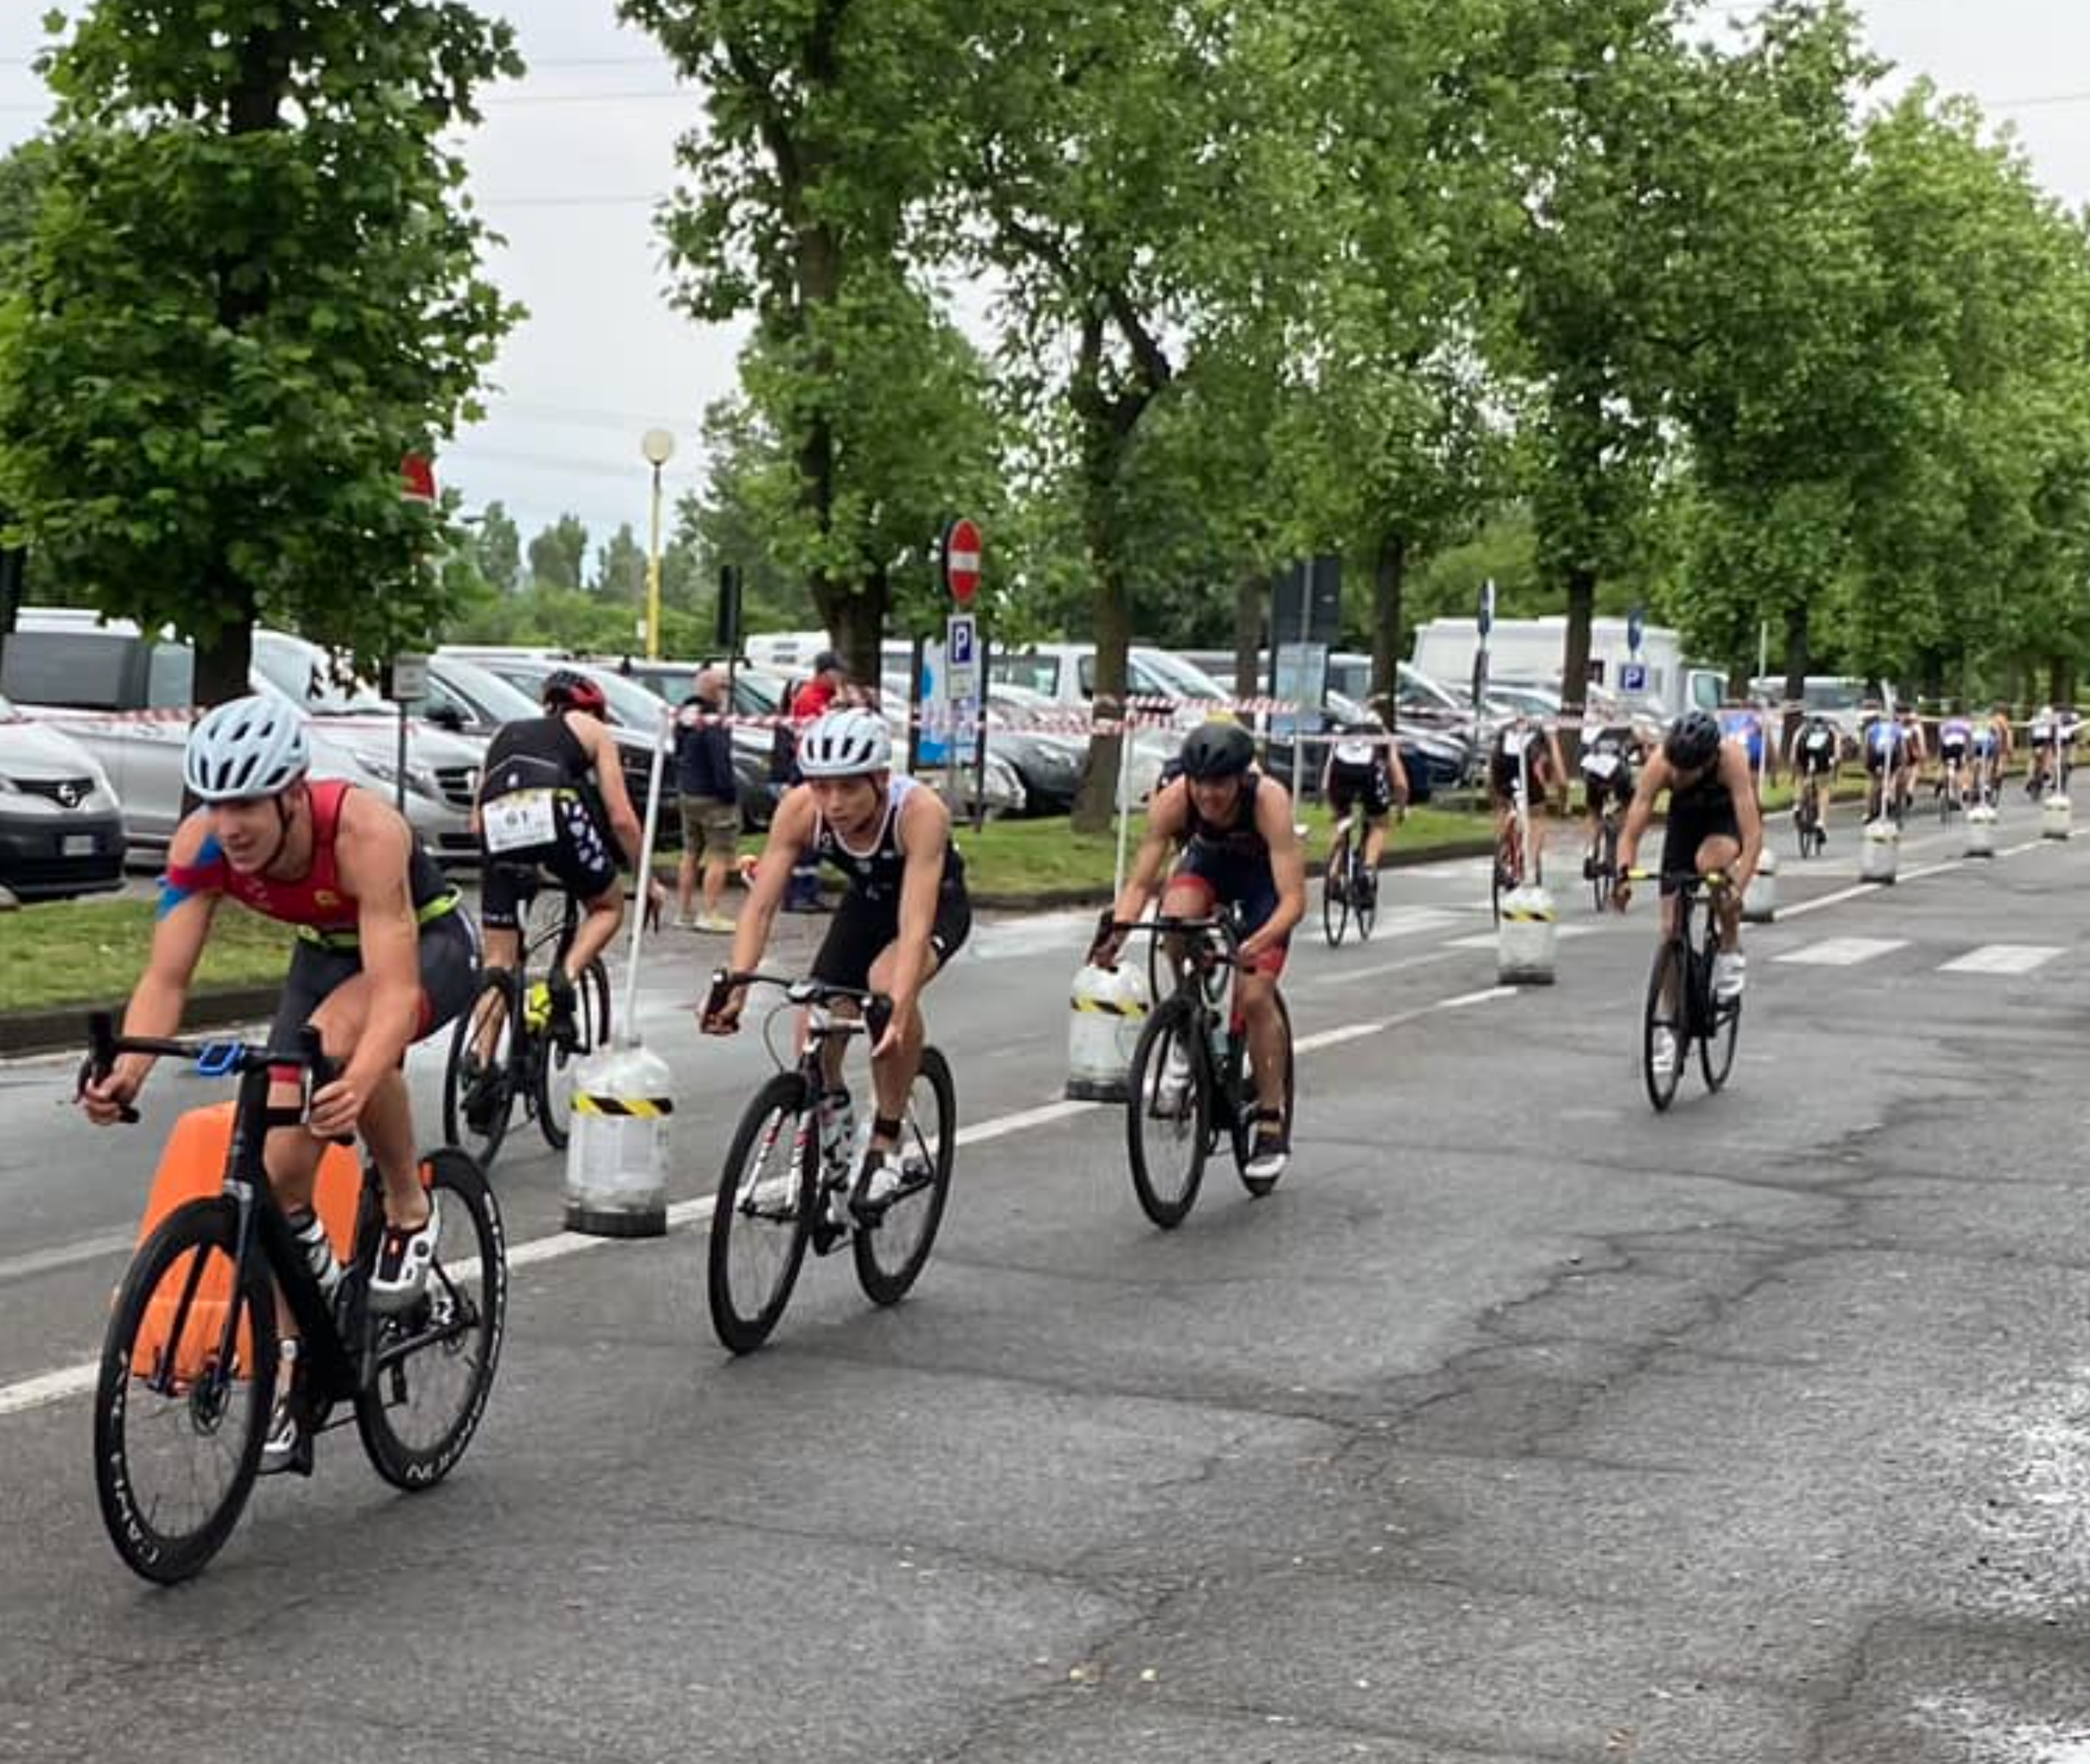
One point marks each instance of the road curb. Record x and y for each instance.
(65, 1026)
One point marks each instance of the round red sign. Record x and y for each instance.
(962, 560)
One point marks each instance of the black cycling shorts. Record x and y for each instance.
(1347, 784)
(862, 930)
(1711, 817)
(580, 858)
(1812, 762)
(1502, 772)
(449, 971)
(1598, 790)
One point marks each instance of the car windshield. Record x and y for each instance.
(1830, 695)
(499, 700)
(1185, 679)
(1033, 672)
(306, 674)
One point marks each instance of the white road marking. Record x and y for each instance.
(1487, 939)
(65, 1256)
(2003, 958)
(1377, 970)
(1843, 952)
(1827, 901)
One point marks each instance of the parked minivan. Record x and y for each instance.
(128, 700)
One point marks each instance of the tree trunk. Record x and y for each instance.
(856, 623)
(1251, 591)
(225, 660)
(1798, 659)
(1389, 579)
(1575, 663)
(1096, 801)
(2060, 681)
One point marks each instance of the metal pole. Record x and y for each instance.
(1299, 708)
(653, 577)
(1124, 806)
(914, 702)
(979, 750)
(627, 1034)
(400, 786)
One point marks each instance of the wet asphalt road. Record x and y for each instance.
(1519, 1425)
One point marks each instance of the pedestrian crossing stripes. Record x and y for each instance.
(1843, 952)
(2003, 958)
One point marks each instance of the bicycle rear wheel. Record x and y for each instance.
(554, 1071)
(1168, 1112)
(1243, 1127)
(1722, 1027)
(480, 1083)
(435, 1361)
(1335, 895)
(1668, 1013)
(762, 1217)
(178, 1420)
(891, 1253)
(1364, 895)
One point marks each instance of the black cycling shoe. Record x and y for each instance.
(562, 1027)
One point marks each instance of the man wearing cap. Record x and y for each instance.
(709, 793)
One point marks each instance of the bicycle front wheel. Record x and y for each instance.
(478, 1083)
(763, 1217)
(435, 1361)
(188, 1377)
(555, 1069)
(1168, 1112)
(1665, 1037)
(892, 1251)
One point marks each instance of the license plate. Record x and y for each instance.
(517, 822)
(78, 844)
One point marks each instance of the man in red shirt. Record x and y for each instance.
(812, 701)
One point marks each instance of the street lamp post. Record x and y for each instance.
(658, 445)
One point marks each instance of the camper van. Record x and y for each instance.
(1534, 650)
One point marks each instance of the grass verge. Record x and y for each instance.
(91, 951)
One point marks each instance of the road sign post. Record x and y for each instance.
(961, 548)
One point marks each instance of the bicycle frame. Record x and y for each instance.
(334, 1372)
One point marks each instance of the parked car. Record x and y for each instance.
(127, 698)
(634, 718)
(61, 825)
(1433, 759)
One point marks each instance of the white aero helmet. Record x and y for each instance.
(248, 748)
(1356, 752)
(850, 743)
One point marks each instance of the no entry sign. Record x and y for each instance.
(962, 560)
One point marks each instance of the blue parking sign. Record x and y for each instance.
(1633, 677)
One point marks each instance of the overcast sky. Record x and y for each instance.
(573, 158)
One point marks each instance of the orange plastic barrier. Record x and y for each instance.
(192, 1168)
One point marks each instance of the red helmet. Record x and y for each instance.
(569, 691)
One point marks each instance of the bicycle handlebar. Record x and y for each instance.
(1714, 879)
(213, 1059)
(877, 1006)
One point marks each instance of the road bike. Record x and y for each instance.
(1893, 800)
(791, 1179)
(191, 1360)
(1949, 791)
(1810, 816)
(1681, 1003)
(1602, 867)
(1349, 891)
(504, 1051)
(1510, 869)
(1190, 1083)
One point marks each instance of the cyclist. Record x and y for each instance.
(1240, 847)
(2042, 736)
(1362, 769)
(1955, 743)
(1991, 748)
(1713, 824)
(1526, 759)
(386, 955)
(904, 913)
(1886, 746)
(1816, 745)
(552, 797)
(1745, 723)
(1609, 757)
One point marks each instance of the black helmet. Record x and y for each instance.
(1692, 741)
(1217, 751)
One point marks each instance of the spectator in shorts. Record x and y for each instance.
(710, 796)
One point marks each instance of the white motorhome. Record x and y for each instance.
(1535, 650)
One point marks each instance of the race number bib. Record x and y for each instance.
(520, 821)
(1601, 765)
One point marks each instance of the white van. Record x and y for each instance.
(1657, 678)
